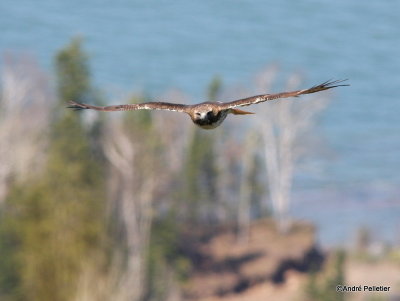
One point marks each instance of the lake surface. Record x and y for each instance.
(154, 46)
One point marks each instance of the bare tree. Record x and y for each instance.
(283, 125)
(24, 118)
(131, 195)
(135, 208)
(137, 177)
(175, 130)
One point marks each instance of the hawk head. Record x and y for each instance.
(208, 116)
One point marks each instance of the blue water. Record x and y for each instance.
(158, 45)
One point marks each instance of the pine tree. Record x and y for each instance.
(58, 220)
(199, 176)
(200, 170)
(214, 88)
(73, 75)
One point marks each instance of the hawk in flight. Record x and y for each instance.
(209, 115)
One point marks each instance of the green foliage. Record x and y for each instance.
(56, 222)
(138, 121)
(10, 280)
(254, 181)
(200, 170)
(214, 88)
(199, 173)
(73, 76)
(322, 286)
(394, 255)
(259, 189)
(199, 178)
(165, 258)
(148, 149)
(363, 241)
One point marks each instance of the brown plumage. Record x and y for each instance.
(209, 115)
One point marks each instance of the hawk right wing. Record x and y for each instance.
(131, 107)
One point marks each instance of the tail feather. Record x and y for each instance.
(240, 112)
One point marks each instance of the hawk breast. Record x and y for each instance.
(211, 120)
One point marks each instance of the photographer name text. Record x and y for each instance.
(362, 288)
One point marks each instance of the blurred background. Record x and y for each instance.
(281, 205)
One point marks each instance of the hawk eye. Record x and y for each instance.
(198, 114)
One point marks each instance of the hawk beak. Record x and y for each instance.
(240, 112)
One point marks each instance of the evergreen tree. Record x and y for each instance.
(10, 278)
(200, 170)
(73, 75)
(58, 220)
(214, 89)
(199, 176)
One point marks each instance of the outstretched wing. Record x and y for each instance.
(265, 97)
(131, 107)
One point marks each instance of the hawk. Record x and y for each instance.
(209, 115)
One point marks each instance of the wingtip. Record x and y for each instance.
(329, 84)
(75, 106)
(337, 83)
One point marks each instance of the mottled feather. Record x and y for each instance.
(265, 97)
(131, 107)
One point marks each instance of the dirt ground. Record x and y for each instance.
(263, 262)
(356, 273)
(271, 266)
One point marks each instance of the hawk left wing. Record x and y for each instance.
(265, 97)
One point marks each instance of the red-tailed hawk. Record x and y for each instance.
(209, 115)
